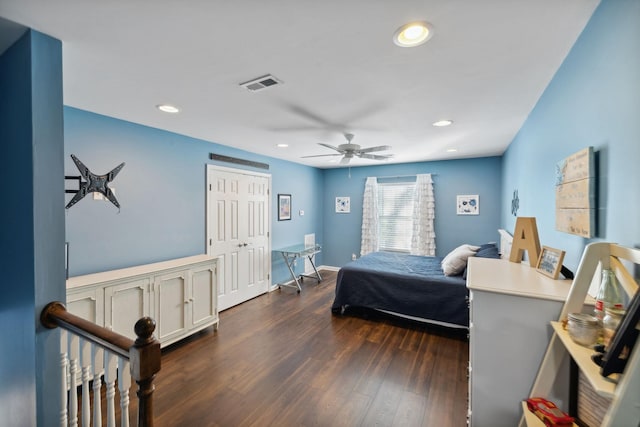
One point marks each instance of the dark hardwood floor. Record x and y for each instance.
(283, 359)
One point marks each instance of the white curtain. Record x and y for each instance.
(423, 240)
(369, 241)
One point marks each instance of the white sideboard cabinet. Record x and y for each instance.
(511, 305)
(180, 295)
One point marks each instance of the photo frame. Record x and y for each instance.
(624, 339)
(468, 204)
(284, 207)
(550, 261)
(343, 204)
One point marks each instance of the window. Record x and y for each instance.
(395, 216)
(399, 216)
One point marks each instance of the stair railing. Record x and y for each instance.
(89, 353)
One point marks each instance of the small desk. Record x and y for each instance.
(290, 253)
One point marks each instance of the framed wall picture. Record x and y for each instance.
(343, 204)
(468, 204)
(550, 262)
(284, 207)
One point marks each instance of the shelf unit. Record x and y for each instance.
(624, 389)
(604, 386)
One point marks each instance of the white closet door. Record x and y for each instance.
(238, 233)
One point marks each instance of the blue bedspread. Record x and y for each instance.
(405, 284)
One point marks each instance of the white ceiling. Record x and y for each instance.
(485, 67)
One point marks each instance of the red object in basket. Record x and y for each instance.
(548, 412)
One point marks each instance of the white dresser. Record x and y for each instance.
(511, 306)
(181, 295)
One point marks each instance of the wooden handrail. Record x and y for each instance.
(143, 353)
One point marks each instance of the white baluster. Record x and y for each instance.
(64, 371)
(85, 359)
(97, 356)
(110, 374)
(124, 383)
(73, 380)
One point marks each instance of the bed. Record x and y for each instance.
(406, 285)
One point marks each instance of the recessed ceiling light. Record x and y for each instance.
(282, 145)
(442, 123)
(167, 108)
(413, 34)
(452, 150)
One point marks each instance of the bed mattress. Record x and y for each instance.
(405, 284)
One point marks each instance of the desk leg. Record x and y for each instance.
(314, 268)
(289, 262)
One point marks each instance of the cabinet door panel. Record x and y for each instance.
(203, 296)
(87, 304)
(125, 303)
(171, 304)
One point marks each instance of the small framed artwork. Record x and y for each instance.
(468, 204)
(550, 262)
(624, 340)
(284, 207)
(343, 204)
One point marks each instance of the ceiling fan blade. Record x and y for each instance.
(330, 146)
(345, 160)
(295, 129)
(322, 155)
(311, 116)
(375, 157)
(378, 148)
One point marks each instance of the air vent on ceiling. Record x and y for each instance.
(261, 83)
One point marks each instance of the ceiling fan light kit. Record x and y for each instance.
(413, 34)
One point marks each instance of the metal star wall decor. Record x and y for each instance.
(93, 183)
(515, 203)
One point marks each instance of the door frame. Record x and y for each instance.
(211, 169)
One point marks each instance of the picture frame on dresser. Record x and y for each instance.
(615, 357)
(550, 262)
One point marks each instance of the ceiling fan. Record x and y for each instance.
(348, 151)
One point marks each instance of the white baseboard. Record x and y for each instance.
(328, 267)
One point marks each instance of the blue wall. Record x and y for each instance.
(480, 176)
(161, 191)
(32, 239)
(593, 100)
(305, 185)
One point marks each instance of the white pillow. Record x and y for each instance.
(456, 260)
